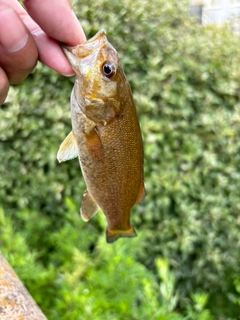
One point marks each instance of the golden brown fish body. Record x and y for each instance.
(105, 135)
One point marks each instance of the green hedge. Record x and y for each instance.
(185, 80)
(76, 284)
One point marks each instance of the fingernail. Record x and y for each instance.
(13, 35)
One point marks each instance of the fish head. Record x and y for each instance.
(99, 77)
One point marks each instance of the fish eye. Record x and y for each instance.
(108, 69)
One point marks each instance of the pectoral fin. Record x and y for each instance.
(68, 149)
(94, 144)
(89, 207)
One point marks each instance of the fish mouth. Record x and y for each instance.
(85, 49)
(100, 35)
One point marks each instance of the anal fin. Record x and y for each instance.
(89, 207)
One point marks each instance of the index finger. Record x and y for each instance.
(57, 20)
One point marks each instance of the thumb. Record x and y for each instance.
(18, 52)
(4, 86)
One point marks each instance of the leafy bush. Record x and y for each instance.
(185, 80)
(105, 285)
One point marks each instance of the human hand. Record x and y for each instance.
(32, 35)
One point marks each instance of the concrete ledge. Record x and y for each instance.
(15, 301)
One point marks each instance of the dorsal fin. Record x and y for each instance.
(141, 193)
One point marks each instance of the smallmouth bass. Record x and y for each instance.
(105, 136)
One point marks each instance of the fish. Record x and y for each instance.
(105, 136)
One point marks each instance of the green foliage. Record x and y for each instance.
(78, 285)
(185, 263)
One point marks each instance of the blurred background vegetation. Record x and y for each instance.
(185, 262)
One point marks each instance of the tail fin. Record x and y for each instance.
(113, 235)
